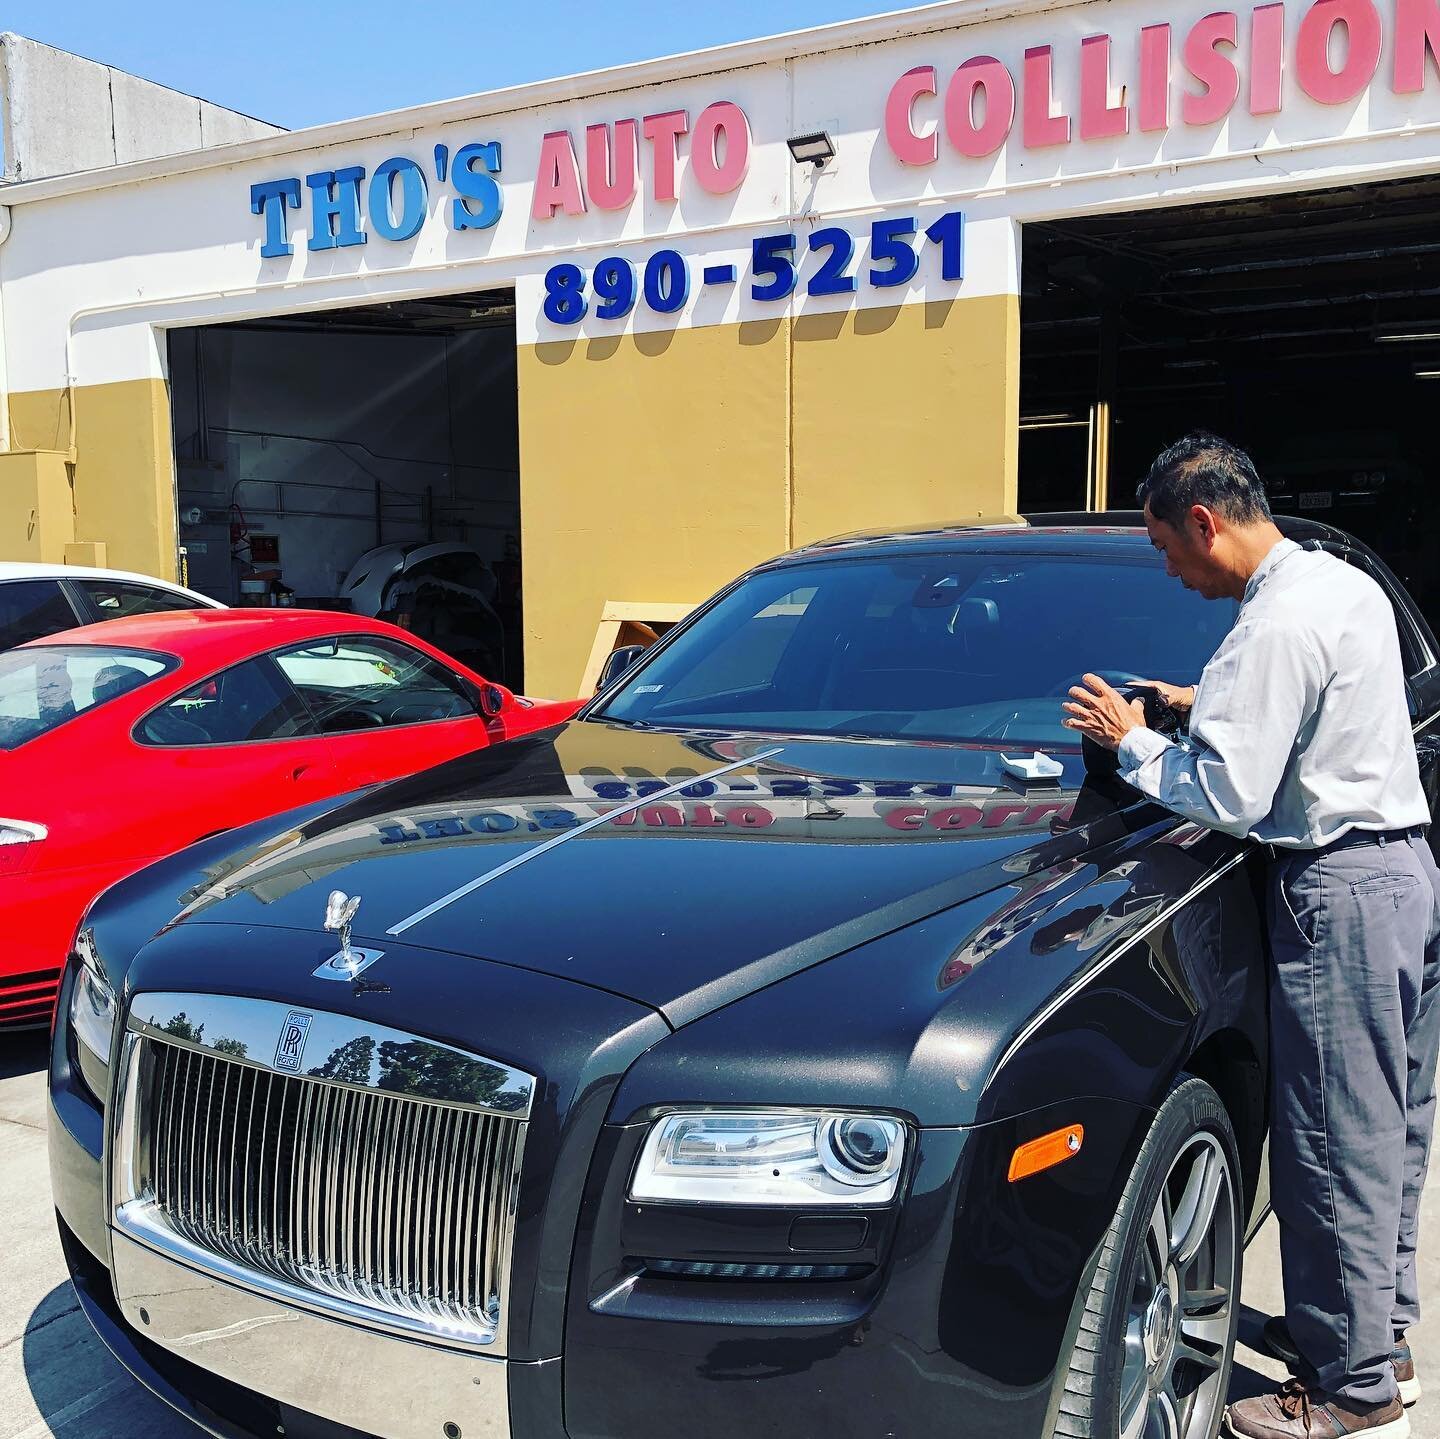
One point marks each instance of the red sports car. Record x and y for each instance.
(124, 741)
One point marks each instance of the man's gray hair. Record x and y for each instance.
(1203, 469)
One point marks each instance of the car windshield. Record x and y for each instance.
(971, 647)
(42, 688)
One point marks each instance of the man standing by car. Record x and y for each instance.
(1300, 737)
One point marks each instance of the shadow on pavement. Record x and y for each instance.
(1245, 1381)
(23, 1052)
(77, 1386)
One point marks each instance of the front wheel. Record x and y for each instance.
(1157, 1320)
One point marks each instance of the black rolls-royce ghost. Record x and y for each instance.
(800, 1041)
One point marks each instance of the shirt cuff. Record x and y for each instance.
(1138, 748)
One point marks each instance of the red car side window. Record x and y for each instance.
(246, 703)
(360, 682)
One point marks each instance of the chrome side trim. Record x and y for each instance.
(1065, 995)
(378, 1385)
(248, 1031)
(565, 836)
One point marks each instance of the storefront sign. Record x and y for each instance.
(896, 250)
(719, 150)
(345, 206)
(1025, 93)
(394, 202)
(1224, 61)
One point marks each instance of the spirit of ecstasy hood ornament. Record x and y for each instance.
(347, 961)
(339, 913)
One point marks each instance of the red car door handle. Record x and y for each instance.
(299, 770)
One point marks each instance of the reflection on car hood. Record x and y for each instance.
(678, 870)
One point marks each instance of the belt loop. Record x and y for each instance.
(1384, 839)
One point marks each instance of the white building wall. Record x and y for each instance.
(95, 264)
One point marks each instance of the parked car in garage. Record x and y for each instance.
(443, 590)
(38, 600)
(125, 741)
(775, 1047)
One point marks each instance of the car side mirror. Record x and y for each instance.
(619, 661)
(492, 700)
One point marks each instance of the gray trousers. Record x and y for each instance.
(1354, 1030)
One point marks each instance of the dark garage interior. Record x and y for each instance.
(365, 459)
(1304, 327)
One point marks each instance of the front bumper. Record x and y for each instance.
(931, 1332)
(372, 1382)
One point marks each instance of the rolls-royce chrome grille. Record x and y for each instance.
(386, 1206)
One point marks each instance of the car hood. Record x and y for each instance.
(678, 870)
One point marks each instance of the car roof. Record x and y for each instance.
(208, 636)
(1060, 532)
(32, 570)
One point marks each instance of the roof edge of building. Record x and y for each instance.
(792, 45)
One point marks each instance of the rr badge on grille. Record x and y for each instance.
(293, 1033)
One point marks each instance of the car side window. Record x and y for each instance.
(116, 598)
(247, 703)
(359, 682)
(32, 609)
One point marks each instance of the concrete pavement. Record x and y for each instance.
(57, 1379)
(55, 1376)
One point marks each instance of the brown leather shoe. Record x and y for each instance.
(1295, 1411)
(1277, 1340)
(1403, 1362)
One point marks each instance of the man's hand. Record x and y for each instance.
(1179, 697)
(1103, 713)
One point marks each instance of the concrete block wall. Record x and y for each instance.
(63, 113)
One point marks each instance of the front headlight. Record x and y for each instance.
(779, 1156)
(92, 1016)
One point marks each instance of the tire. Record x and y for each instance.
(1151, 1359)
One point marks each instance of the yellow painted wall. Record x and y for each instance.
(124, 489)
(657, 467)
(652, 468)
(37, 519)
(906, 415)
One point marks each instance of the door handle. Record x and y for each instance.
(299, 770)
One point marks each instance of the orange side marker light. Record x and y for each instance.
(1046, 1152)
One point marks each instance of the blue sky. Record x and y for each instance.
(303, 62)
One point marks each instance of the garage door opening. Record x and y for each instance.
(1305, 328)
(363, 459)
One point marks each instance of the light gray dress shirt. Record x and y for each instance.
(1300, 730)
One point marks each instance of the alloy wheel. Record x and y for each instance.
(1182, 1302)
